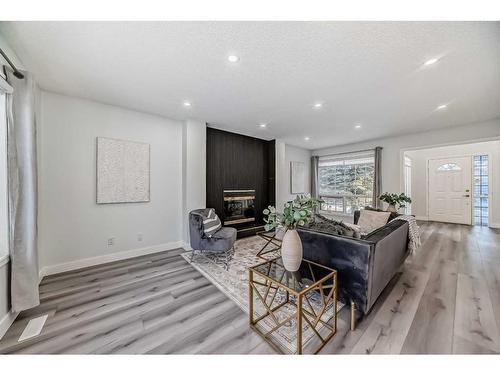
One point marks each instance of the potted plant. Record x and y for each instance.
(298, 212)
(395, 201)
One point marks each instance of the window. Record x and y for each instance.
(481, 190)
(449, 167)
(346, 183)
(407, 175)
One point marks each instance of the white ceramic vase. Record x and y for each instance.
(291, 250)
(392, 208)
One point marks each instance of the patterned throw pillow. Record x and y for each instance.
(371, 220)
(211, 223)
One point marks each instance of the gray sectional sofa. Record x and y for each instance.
(365, 266)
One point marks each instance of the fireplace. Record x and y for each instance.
(239, 206)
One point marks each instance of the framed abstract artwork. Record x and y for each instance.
(122, 171)
(297, 177)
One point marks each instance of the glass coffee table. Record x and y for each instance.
(303, 302)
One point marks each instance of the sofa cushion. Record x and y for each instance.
(371, 220)
(392, 215)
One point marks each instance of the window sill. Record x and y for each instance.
(333, 215)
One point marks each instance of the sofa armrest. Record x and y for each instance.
(390, 252)
(380, 233)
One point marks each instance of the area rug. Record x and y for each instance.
(234, 284)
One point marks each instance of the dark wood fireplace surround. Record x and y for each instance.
(239, 166)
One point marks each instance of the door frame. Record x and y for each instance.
(471, 156)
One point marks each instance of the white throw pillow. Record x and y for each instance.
(371, 220)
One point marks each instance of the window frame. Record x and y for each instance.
(5, 89)
(368, 199)
(474, 195)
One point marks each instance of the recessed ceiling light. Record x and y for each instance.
(318, 105)
(442, 106)
(262, 125)
(306, 138)
(431, 61)
(187, 104)
(357, 126)
(233, 58)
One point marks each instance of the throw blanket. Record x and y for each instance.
(413, 232)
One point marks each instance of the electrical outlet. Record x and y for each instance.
(111, 241)
(139, 237)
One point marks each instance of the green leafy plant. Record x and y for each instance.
(300, 211)
(398, 200)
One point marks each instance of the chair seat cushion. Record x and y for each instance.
(222, 240)
(225, 232)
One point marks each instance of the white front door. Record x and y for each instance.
(450, 190)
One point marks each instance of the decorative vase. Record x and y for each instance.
(392, 208)
(291, 250)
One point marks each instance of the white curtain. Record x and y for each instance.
(22, 184)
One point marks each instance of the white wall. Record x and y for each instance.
(10, 53)
(394, 147)
(284, 155)
(71, 225)
(419, 173)
(194, 167)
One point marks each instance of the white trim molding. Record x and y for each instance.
(7, 321)
(494, 225)
(94, 261)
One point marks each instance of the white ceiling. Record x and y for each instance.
(368, 73)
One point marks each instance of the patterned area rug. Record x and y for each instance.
(234, 283)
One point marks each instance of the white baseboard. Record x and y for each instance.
(422, 218)
(7, 321)
(494, 225)
(186, 246)
(88, 262)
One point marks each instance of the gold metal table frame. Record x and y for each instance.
(271, 239)
(305, 313)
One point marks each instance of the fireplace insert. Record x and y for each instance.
(239, 206)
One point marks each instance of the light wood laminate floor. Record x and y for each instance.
(446, 300)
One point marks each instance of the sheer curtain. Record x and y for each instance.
(22, 183)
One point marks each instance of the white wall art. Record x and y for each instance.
(122, 171)
(297, 177)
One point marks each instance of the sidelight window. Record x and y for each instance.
(481, 193)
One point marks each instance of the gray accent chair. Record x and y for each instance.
(218, 248)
